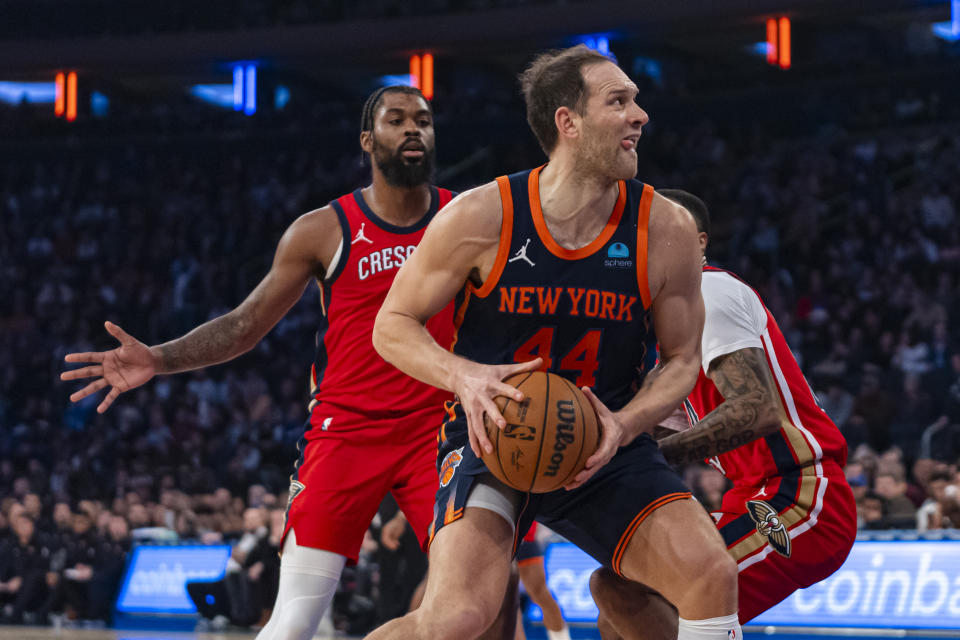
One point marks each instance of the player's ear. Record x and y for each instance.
(366, 141)
(567, 122)
(703, 239)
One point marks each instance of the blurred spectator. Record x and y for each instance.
(891, 486)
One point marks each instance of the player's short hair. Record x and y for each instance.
(555, 79)
(375, 98)
(693, 204)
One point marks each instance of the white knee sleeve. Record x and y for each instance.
(723, 628)
(489, 493)
(308, 581)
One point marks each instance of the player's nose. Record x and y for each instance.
(638, 117)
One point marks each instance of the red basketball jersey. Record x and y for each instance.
(807, 435)
(348, 374)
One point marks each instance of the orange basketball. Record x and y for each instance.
(548, 436)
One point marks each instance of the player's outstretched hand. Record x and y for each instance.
(124, 368)
(611, 437)
(477, 388)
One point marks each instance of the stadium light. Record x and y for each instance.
(783, 51)
(71, 96)
(415, 71)
(949, 31)
(426, 79)
(60, 101)
(777, 47)
(771, 41)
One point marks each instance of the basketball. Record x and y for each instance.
(549, 436)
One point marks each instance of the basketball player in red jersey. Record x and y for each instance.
(790, 519)
(371, 429)
(570, 267)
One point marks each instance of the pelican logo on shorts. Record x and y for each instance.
(449, 466)
(519, 431)
(295, 488)
(769, 525)
(566, 416)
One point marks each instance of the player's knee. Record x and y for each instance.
(601, 583)
(462, 620)
(716, 572)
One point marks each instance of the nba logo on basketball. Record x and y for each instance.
(449, 466)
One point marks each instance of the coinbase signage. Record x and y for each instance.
(882, 584)
(157, 577)
(913, 584)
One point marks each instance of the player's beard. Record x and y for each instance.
(401, 172)
(601, 155)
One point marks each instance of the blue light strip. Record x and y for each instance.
(250, 90)
(237, 88)
(31, 92)
(949, 31)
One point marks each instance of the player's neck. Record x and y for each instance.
(567, 193)
(400, 206)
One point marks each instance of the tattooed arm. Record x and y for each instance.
(751, 409)
(305, 249)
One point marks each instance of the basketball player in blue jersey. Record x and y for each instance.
(571, 266)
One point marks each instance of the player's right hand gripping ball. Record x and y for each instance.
(548, 436)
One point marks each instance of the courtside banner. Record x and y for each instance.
(890, 584)
(157, 576)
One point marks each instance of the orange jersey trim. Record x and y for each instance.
(533, 186)
(503, 251)
(643, 224)
(628, 534)
(506, 235)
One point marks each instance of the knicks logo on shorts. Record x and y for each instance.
(769, 525)
(449, 466)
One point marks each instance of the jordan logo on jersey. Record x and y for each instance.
(522, 254)
(769, 525)
(360, 235)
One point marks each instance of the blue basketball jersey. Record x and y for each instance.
(586, 312)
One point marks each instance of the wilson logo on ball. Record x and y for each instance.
(566, 416)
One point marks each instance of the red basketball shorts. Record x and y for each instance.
(787, 534)
(346, 469)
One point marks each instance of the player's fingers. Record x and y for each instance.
(114, 392)
(474, 443)
(85, 372)
(117, 332)
(84, 357)
(522, 367)
(493, 414)
(597, 404)
(507, 391)
(93, 387)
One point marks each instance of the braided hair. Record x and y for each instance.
(373, 102)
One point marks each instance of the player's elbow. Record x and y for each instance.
(381, 334)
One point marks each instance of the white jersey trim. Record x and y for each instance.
(334, 262)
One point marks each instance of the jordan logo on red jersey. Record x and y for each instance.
(360, 235)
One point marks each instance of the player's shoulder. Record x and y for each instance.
(724, 292)
(314, 235)
(476, 211)
(670, 218)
